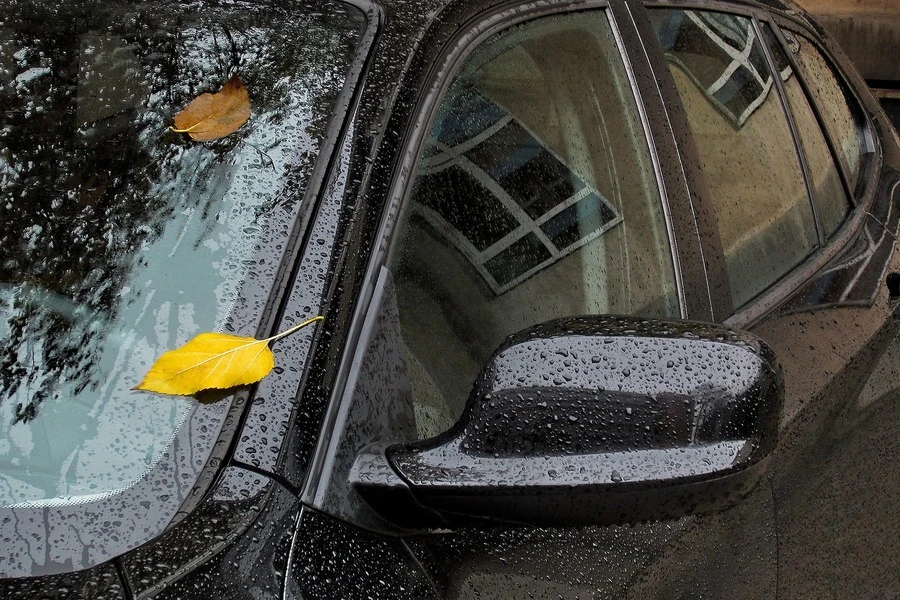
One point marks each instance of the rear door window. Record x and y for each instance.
(745, 145)
(843, 118)
(830, 195)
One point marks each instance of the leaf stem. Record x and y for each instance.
(189, 129)
(287, 332)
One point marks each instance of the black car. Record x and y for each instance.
(609, 293)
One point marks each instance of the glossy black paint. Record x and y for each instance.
(334, 560)
(99, 582)
(251, 564)
(760, 528)
(591, 420)
(238, 539)
(835, 348)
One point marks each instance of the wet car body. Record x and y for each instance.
(256, 522)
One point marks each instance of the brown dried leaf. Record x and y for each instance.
(212, 116)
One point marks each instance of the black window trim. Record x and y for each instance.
(468, 36)
(854, 192)
(692, 269)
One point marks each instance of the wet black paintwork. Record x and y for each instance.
(237, 501)
(751, 530)
(101, 582)
(334, 560)
(841, 357)
(251, 564)
(378, 411)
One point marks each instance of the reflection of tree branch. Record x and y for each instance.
(53, 342)
(235, 55)
(233, 63)
(91, 186)
(264, 156)
(77, 212)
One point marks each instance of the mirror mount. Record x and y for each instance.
(591, 420)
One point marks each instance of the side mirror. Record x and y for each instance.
(591, 420)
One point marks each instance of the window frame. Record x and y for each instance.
(792, 123)
(861, 199)
(429, 87)
(854, 192)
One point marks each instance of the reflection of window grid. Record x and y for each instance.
(528, 230)
(737, 39)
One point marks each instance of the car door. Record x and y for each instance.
(819, 296)
(835, 487)
(546, 183)
(457, 230)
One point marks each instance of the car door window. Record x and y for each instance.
(535, 198)
(843, 118)
(831, 198)
(745, 146)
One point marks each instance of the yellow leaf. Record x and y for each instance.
(213, 361)
(211, 116)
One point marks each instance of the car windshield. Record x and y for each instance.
(122, 239)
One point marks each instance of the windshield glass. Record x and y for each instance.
(122, 239)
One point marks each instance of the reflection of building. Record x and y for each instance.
(509, 204)
(717, 52)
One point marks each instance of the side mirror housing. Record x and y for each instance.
(591, 420)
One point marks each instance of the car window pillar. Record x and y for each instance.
(699, 248)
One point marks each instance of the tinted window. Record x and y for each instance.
(830, 196)
(535, 199)
(843, 118)
(745, 145)
(121, 239)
